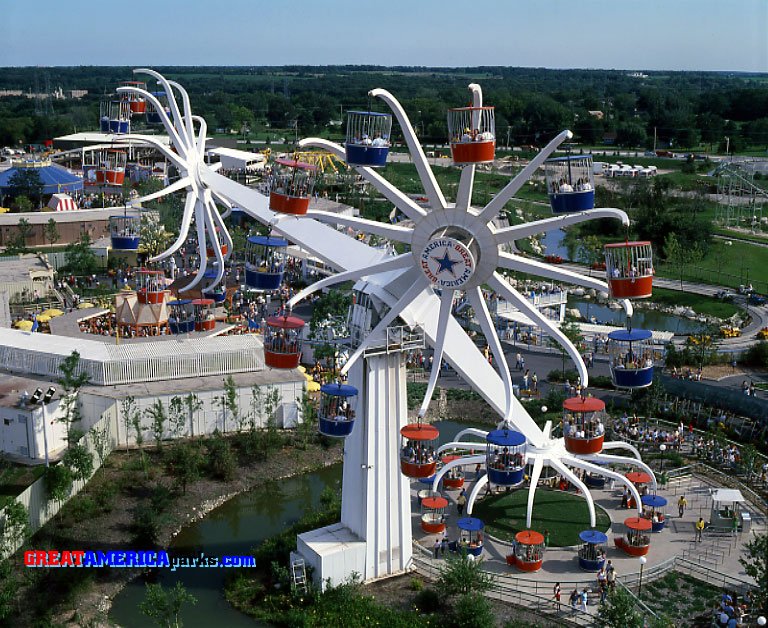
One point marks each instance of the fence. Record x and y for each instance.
(35, 499)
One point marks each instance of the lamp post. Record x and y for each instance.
(43, 400)
(641, 560)
(662, 449)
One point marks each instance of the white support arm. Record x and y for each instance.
(188, 124)
(538, 465)
(593, 468)
(184, 182)
(478, 486)
(431, 188)
(497, 203)
(179, 142)
(567, 473)
(186, 220)
(446, 305)
(471, 431)
(391, 232)
(620, 444)
(623, 460)
(390, 192)
(178, 123)
(518, 232)
(455, 463)
(463, 445)
(498, 284)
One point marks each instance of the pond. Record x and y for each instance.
(233, 529)
(554, 241)
(642, 319)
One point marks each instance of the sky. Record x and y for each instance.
(722, 35)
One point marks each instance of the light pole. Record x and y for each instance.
(43, 400)
(761, 621)
(642, 561)
(662, 449)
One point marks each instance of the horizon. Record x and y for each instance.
(684, 36)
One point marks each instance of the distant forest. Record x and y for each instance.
(684, 109)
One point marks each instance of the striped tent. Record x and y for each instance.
(62, 203)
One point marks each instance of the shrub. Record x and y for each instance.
(561, 376)
(416, 584)
(145, 525)
(472, 610)
(222, 462)
(428, 600)
(757, 354)
(58, 482)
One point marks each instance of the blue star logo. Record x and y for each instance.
(445, 263)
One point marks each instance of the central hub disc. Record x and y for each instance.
(447, 263)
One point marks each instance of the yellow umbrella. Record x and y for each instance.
(313, 386)
(53, 313)
(85, 306)
(302, 368)
(43, 318)
(24, 325)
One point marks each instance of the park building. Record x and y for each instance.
(147, 371)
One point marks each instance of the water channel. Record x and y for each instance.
(233, 529)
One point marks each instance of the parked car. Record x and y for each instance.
(724, 295)
(756, 299)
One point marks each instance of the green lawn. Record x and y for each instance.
(563, 514)
(700, 304)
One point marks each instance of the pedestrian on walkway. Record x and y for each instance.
(522, 362)
(610, 576)
(535, 380)
(584, 600)
(574, 599)
(546, 538)
(525, 380)
(518, 358)
(681, 504)
(625, 498)
(436, 547)
(735, 525)
(461, 500)
(699, 530)
(556, 594)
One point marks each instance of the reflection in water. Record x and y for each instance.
(232, 529)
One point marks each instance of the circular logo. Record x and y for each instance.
(447, 263)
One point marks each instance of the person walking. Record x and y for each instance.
(436, 547)
(584, 600)
(556, 594)
(610, 576)
(518, 358)
(699, 530)
(681, 504)
(461, 501)
(535, 380)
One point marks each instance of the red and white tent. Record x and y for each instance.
(62, 203)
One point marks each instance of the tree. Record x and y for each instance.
(51, 232)
(461, 576)
(194, 405)
(79, 460)
(128, 409)
(80, 259)
(153, 235)
(27, 182)
(186, 462)
(618, 611)
(58, 482)
(571, 331)
(164, 608)
(679, 255)
(71, 380)
(473, 610)
(308, 424)
(177, 416)
(17, 243)
(228, 403)
(101, 441)
(756, 566)
(156, 412)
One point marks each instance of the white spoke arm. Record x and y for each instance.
(479, 484)
(455, 463)
(179, 142)
(155, 143)
(208, 205)
(518, 232)
(620, 444)
(189, 126)
(389, 264)
(538, 465)
(186, 220)
(446, 305)
(431, 189)
(593, 468)
(462, 445)
(477, 302)
(201, 135)
(572, 477)
(222, 200)
(219, 222)
(471, 431)
(534, 267)
(624, 460)
(466, 185)
(498, 202)
(392, 232)
(418, 286)
(184, 182)
(390, 192)
(200, 224)
(178, 123)
(498, 284)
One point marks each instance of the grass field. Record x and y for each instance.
(700, 304)
(563, 514)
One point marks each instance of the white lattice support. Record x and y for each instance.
(585, 465)
(573, 478)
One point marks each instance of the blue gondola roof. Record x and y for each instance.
(210, 273)
(654, 501)
(55, 180)
(370, 113)
(630, 335)
(338, 390)
(179, 302)
(128, 216)
(568, 158)
(267, 241)
(505, 438)
(593, 536)
(470, 524)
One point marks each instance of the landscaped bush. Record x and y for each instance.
(561, 376)
(428, 601)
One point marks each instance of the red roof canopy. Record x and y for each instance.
(147, 271)
(416, 431)
(285, 322)
(450, 458)
(203, 302)
(434, 502)
(638, 477)
(587, 404)
(618, 245)
(529, 537)
(638, 523)
(294, 163)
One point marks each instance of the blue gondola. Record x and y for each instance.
(470, 535)
(631, 358)
(217, 293)
(115, 116)
(652, 507)
(569, 184)
(182, 317)
(592, 552)
(265, 262)
(368, 138)
(336, 415)
(505, 460)
(153, 116)
(124, 232)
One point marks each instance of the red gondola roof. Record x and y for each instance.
(294, 163)
(469, 108)
(203, 302)
(147, 271)
(285, 322)
(434, 502)
(638, 523)
(529, 537)
(587, 404)
(638, 477)
(450, 458)
(619, 245)
(415, 431)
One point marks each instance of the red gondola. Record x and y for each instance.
(455, 477)
(281, 342)
(637, 540)
(149, 286)
(205, 319)
(137, 103)
(417, 455)
(472, 135)
(110, 168)
(629, 269)
(583, 426)
(433, 514)
(529, 551)
(290, 186)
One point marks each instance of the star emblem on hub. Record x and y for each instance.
(447, 263)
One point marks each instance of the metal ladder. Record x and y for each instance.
(299, 575)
